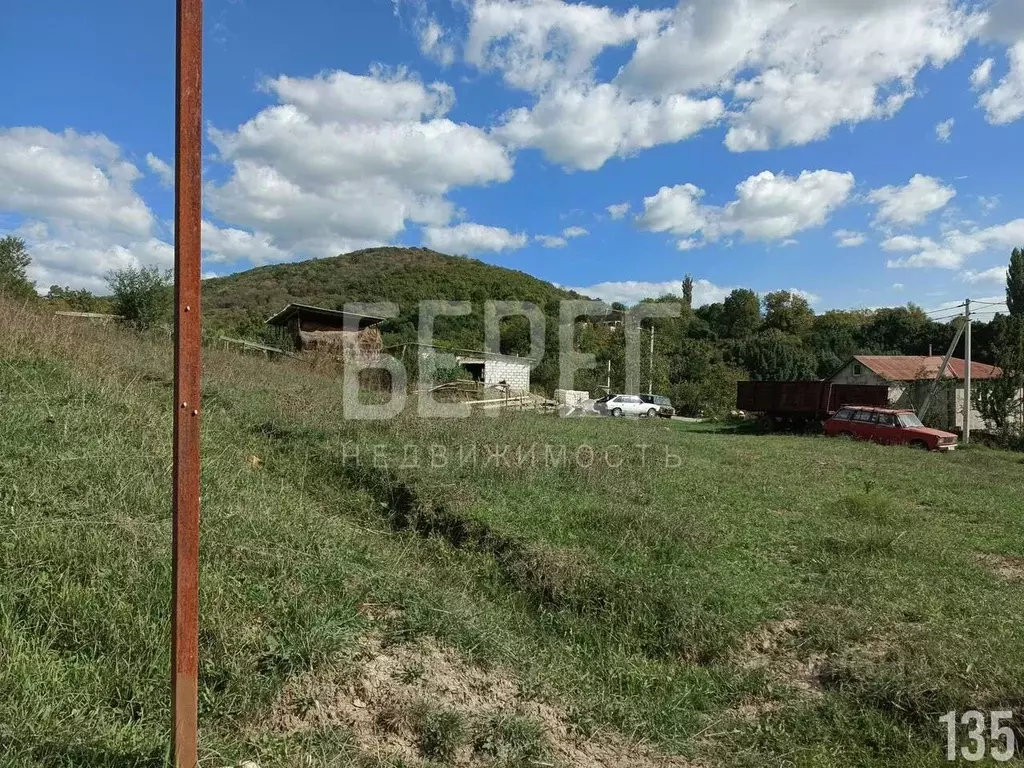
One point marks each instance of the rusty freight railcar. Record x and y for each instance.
(803, 402)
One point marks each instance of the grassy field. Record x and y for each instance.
(509, 591)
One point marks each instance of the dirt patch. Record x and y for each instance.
(774, 648)
(419, 701)
(1007, 567)
(753, 708)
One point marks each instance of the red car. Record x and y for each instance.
(889, 427)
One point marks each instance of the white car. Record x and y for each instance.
(627, 405)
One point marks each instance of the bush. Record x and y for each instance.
(713, 394)
(142, 295)
(14, 261)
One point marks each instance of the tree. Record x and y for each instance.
(999, 400)
(142, 296)
(80, 300)
(741, 313)
(702, 382)
(788, 312)
(775, 356)
(833, 338)
(707, 321)
(1015, 283)
(688, 291)
(898, 329)
(14, 261)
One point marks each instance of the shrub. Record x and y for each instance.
(142, 295)
(14, 261)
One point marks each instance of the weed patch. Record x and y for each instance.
(450, 711)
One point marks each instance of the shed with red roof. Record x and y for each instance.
(909, 378)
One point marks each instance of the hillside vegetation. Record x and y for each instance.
(400, 275)
(698, 355)
(372, 595)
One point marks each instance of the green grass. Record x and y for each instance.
(629, 594)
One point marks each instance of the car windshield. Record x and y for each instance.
(910, 420)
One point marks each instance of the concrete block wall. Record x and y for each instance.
(571, 396)
(515, 374)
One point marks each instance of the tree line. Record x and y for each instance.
(140, 296)
(698, 356)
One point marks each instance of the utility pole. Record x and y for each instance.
(967, 372)
(923, 411)
(188, 190)
(608, 386)
(650, 381)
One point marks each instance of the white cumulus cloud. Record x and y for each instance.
(846, 238)
(434, 42)
(80, 215)
(792, 72)
(472, 238)
(534, 43)
(630, 292)
(551, 241)
(982, 74)
(618, 210)
(674, 209)
(957, 246)
(1005, 103)
(350, 160)
(228, 244)
(767, 207)
(908, 243)
(911, 203)
(583, 126)
(163, 170)
(944, 130)
(1004, 23)
(71, 178)
(995, 275)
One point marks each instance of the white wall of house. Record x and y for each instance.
(515, 374)
(855, 373)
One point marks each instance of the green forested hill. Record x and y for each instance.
(401, 275)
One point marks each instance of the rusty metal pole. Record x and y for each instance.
(188, 140)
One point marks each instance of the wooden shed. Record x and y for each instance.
(333, 331)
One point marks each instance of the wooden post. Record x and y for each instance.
(187, 373)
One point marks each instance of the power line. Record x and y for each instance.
(944, 309)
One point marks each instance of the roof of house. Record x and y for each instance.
(916, 367)
(336, 317)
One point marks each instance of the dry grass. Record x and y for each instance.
(387, 695)
(769, 599)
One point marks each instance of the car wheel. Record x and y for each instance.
(847, 435)
(616, 412)
(921, 445)
(652, 413)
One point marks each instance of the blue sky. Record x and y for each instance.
(862, 152)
